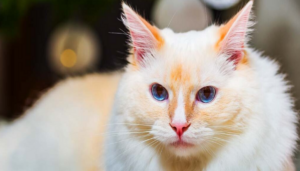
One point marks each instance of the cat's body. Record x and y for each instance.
(64, 130)
(248, 124)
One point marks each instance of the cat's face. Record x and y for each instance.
(186, 91)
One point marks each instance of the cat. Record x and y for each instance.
(200, 100)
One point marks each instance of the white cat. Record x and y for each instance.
(201, 100)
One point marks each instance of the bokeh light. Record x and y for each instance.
(221, 4)
(68, 58)
(181, 15)
(73, 49)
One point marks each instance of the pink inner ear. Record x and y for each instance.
(139, 35)
(139, 53)
(144, 37)
(137, 46)
(236, 57)
(236, 31)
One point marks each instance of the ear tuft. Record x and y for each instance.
(234, 35)
(144, 37)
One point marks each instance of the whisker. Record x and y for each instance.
(224, 133)
(227, 128)
(122, 153)
(117, 33)
(220, 139)
(159, 155)
(172, 18)
(126, 124)
(135, 147)
(123, 133)
(208, 152)
(222, 126)
(129, 138)
(212, 141)
(150, 144)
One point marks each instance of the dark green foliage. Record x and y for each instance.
(12, 11)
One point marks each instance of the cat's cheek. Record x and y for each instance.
(224, 108)
(162, 132)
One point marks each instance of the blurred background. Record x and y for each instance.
(44, 41)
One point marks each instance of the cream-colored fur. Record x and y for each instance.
(64, 130)
(249, 126)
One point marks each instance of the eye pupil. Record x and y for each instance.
(206, 94)
(159, 92)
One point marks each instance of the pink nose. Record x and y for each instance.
(180, 128)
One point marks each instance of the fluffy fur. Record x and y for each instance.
(250, 125)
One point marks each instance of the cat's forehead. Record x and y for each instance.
(187, 58)
(189, 51)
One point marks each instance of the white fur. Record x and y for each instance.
(141, 37)
(268, 141)
(56, 133)
(238, 34)
(179, 116)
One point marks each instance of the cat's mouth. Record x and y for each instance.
(181, 144)
(182, 148)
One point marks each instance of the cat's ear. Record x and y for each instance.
(233, 35)
(144, 36)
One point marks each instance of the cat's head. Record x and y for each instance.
(188, 91)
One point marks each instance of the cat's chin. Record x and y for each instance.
(181, 144)
(182, 148)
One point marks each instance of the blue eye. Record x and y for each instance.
(206, 94)
(159, 92)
